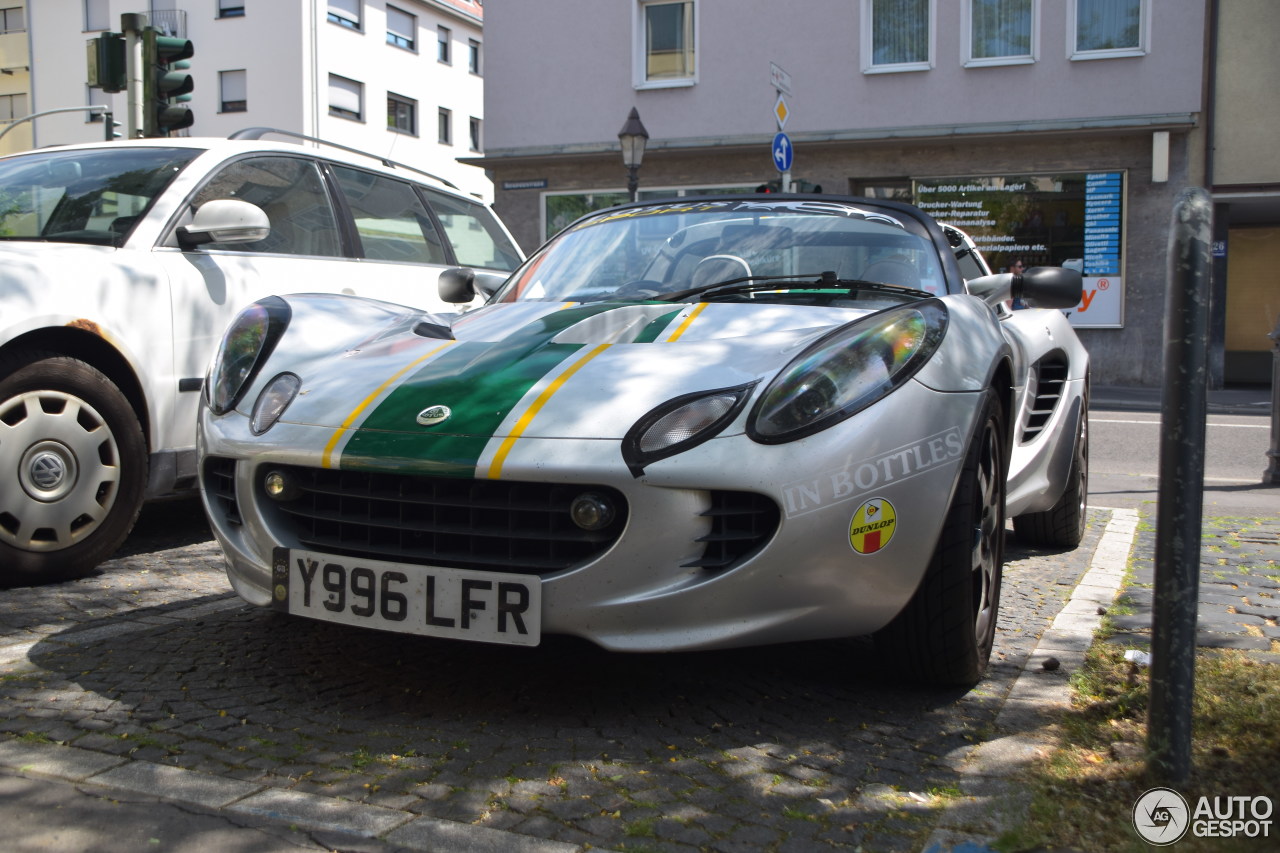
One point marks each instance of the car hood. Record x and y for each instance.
(548, 370)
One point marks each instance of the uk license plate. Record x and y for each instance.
(490, 607)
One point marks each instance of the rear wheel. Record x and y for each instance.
(1063, 524)
(73, 462)
(945, 633)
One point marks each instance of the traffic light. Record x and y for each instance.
(166, 84)
(770, 187)
(106, 62)
(805, 187)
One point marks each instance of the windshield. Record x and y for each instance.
(775, 250)
(84, 196)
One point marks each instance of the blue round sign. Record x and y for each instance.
(782, 152)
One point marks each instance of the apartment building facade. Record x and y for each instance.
(402, 79)
(1052, 131)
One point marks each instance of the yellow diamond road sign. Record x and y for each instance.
(781, 112)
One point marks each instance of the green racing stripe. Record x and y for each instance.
(480, 382)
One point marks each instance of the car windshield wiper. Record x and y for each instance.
(825, 280)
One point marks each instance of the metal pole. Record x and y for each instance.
(17, 121)
(1272, 474)
(132, 24)
(1181, 492)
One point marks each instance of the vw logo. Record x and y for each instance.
(433, 415)
(47, 471)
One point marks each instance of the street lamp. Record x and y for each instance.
(633, 137)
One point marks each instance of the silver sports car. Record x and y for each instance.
(683, 425)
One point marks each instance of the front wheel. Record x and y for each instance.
(945, 633)
(73, 468)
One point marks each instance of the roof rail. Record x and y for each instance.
(259, 132)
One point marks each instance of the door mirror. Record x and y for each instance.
(226, 220)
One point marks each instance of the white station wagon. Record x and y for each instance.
(120, 265)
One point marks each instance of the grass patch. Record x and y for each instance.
(1083, 796)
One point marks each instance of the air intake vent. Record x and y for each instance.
(220, 484)
(492, 525)
(740, 523)
(1049, 378)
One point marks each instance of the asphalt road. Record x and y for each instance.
(153, 674)
(1124, 462)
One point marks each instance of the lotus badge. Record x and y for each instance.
(433, 415)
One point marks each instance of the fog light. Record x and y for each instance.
(280, 486)
(591, 511)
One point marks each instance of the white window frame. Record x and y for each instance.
(966, 47)
(1144, 36)
(868, 49)
(640, 48)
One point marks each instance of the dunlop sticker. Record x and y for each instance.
(873, 526)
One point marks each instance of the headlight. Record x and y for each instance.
(272, 402)
(846, 371)
(245, 346)
(680, 424)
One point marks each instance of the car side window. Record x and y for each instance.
(474, 233)
(392, 221)
(291, 192)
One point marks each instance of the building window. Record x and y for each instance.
(444, 125)
(473, 56)
(666, 43)
(475, 134)
(897, 35)
(13, 106)
(1109, 28)
(345, 13)
(97, 16)
(233, 89)
(402, 114)
(346, 98)
(1001, 32)
(12, 20)
(402, 29)
(230, 8)
(442, 44)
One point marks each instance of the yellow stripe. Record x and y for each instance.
(687, 321)
(326, 461)
(495, 467)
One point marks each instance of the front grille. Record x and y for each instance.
(220, 486)
(1050, 377)
(741, 522)
(491, 525)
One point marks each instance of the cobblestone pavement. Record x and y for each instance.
(1239, 586)
(154, 664)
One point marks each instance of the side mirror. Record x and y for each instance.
(1050, 287)
(1045, 287)
(457, 285)
(226, 220)
(460, 285)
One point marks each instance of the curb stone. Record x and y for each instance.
(991, 801)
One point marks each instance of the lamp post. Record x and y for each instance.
(633, 137)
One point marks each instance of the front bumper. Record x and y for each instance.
(645, 591)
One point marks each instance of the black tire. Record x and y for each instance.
(1063, 524)
(73, 468)
(945, 633)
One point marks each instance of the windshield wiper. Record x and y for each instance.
(825, 280)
